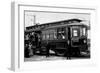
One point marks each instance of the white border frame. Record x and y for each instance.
(17, 60)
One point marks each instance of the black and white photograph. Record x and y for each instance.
(50, 35)
(53, 36)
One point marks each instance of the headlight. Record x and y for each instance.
(84, 41)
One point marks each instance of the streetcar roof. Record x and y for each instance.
(69, 20)
(56, 22)
(33, 30)
(68, 25)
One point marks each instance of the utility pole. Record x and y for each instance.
(33, 19)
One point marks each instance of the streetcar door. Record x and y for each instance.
(75, 34)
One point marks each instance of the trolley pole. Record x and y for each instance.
(33, 19)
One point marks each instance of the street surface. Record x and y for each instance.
(53, 57)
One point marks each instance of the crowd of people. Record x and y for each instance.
(32, 41)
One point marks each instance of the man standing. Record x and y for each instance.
(47, 49)
(69, 48)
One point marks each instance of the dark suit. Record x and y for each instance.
(47, 49)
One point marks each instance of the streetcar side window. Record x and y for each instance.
(55, 34)
(47, 36)
(51, 31)
(47, 33)
(61, 33)
(51, 36)
(43, 36)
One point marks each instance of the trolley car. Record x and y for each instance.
(59, 37)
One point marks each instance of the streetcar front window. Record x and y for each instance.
(75, 33)
(84, 31)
